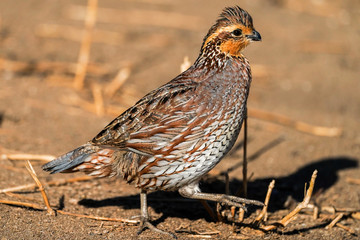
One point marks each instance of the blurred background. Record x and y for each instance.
(306, 70)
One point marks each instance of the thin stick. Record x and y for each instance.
(353, 180)
(288, 218)
(266, 203)
(335, 221)
(98, 99)
(185, 64)
(23, 204)
(139, 17)
(41, 188)
(298, 125)
(350, 230)
(39, 207)
(117, 82)
(208, 209)
(84, 54)
(19, 196)
(98, 218)
(50, 183)
(45, 67)
(244, 170)
(15, 169)
(76, 34)
(27, 156)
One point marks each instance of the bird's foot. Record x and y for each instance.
(145, 223)
(237, 201)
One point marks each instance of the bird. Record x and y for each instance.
(178, 132)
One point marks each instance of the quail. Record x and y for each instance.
(177, 133)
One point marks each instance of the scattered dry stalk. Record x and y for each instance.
(50, 183)
(353, 180)
(335, 221)
(41, 188)
(124, 220)
(288, 218)
(244, 170)
(185, 65)
(98, 99)
(138, 17)
(117, 82)
(298, 125)
(263, 212)
(84, 54)
(26, 156)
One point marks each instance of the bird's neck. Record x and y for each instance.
(212, 60)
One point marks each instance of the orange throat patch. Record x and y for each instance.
(233, 47)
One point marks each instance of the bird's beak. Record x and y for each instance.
(255, 36)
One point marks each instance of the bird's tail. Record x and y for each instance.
(93, 160)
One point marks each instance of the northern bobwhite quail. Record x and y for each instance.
(177, 133)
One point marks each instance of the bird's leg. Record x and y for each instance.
(221, 198)
(145, 220)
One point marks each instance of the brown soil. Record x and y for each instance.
(311, 56)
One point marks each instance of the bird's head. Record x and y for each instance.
(231, 33)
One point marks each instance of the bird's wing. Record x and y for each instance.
(155, 120)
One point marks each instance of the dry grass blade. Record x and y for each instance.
(50, 183)
(244, 170)
(322, 47)
(22, 204)
(356, 215)
(39, 207)
(124, 220)
(41, 188)
(15, 169)
(208, 209)
(117, 82)
(288, 218)
(139, 17)
(76, 34)
(335, 221)
(350, 230)
(26, 156)
(98, 99)
(45, 67)
(185, 65)
(298, 125)
(353, 180)
(18, 188)
(263, 212)
(84, 54)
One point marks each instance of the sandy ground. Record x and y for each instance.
(306, 68)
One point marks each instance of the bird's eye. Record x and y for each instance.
(237, 32)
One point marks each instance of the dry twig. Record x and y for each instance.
(45, 67)
(298, 125)
(138, 17)
(335, 221)
(117, 82)
(41, 188)
(263, 212)
(22, 204)
(350, 230)
(50, 183)
(288, 218)
(27, 156)
(84, 54)
(353, 180)
(124, 220)
(98, 99)
(244, 170)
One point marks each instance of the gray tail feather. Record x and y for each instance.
(69, 160)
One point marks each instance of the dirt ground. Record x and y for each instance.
(307, 68)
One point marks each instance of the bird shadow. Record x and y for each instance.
(171, 204)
